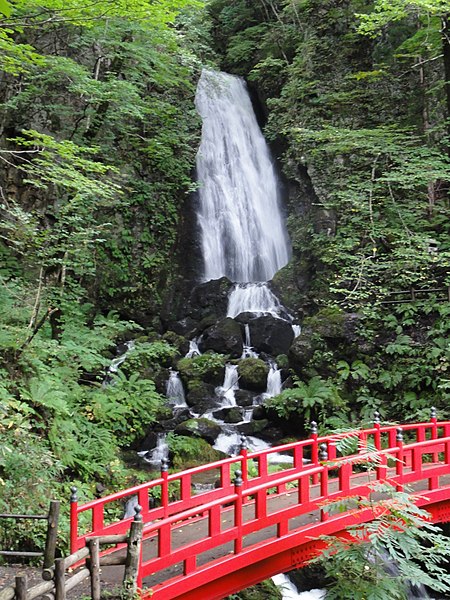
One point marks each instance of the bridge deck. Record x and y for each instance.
(210, 544)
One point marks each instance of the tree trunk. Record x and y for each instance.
(446, 53)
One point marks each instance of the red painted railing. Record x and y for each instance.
(255, 522)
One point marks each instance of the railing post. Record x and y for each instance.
(377, 427)
(323, 457)
(132, 579)
(433, 420)
(21, 587)
(314, 451)
(94, 567)
(165, 486)
(51, 537)
(60, 582)
(434, 430)
(244, 452)
(238, 517)
(399, 464)
(73, 520)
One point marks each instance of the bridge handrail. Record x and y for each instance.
(184, 478)
(168, 554)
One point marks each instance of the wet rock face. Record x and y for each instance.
(253, 374)
(225, 337)
(229, 414)
(201, 397)
(207, 304)
(200, 428)
(271, 335)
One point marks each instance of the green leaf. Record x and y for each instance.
(5, 8)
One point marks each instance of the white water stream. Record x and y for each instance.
(175, 391)
(243, 235)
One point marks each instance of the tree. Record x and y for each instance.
(434, 16)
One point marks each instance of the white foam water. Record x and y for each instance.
(230, 385)
(290, 592)
(254, 298)
(175, 390)
(242, 230)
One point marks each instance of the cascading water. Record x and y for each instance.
(248, 351)
(175, 391)
(115, 364)
(193, 349)
(255, 298)
(160, 452)
(242, 229)
(273, 381)
(230, 385)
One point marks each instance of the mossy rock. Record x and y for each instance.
(209, 367)
(177, 341)
(253, 374)
(199, 428)
(329, 322)
(266, 590)
(253, 427)
(149, 358)
(187, 452)
(282, 361)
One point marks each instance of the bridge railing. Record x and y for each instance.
(232, 523)
(174, 492)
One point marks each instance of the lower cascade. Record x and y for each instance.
(175, 391)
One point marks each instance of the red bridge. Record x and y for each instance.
(207, 543)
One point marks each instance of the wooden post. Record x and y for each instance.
(131, 578)
(60, 579)
(94, 548)
(52, 534)
(21, 587)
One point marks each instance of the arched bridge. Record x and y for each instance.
(208, 541)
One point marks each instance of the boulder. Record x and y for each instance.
(253, 427)
(302, 351)
(259, 412)
(253, 374)
(224, 337)
(200, 428)
(180, 415)
(209, 368)
(269, 334)
(244, 397)
(201, 397)
(229, 414)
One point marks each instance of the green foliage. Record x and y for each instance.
(190, 451)
(207, 367)
(360, 567)
(308, 399)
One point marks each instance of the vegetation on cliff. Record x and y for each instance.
(356, 103)
(98, 135)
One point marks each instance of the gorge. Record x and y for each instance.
(141, 209)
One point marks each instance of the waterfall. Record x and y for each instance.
(175, 390)
(255, 298)
(161, 450)
(248, 351)
(242, 229)
(290, 592)
(193, 349)
(230, 384)
(297, 330)
(273, 381)
(115, 364)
